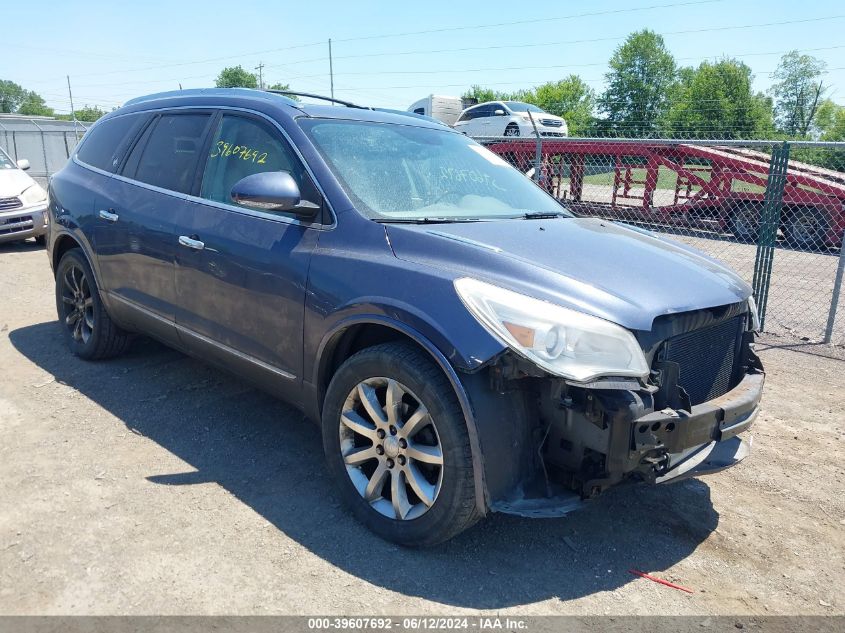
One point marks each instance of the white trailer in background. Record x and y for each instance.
(442, 108)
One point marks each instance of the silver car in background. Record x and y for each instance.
(23, 202)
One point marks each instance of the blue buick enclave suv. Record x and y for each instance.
(465, 343)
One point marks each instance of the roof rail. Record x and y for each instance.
(313, 96)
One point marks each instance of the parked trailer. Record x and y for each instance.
(440, 107)
(717, 188)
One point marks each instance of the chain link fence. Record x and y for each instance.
(45, 144)
(773, 211)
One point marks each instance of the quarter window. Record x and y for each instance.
(105, 143)
(167, 156)
(469, 115)
(241, 147)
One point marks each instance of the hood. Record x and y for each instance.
(624, 275)
(13, 182)
(537, 116)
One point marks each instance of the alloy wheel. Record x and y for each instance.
(391, 448)
(78, 304)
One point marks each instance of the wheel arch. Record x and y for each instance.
(355, 334)
(62, 245)
(65, 242)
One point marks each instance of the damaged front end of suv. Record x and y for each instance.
(592, 405)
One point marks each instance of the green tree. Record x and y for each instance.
(89, 113)
(716, 100)
(33, 104)
(281, 86)
(485, 94)
(798, 92)
(830, 122)
(569, 98)
(642, 73)
(236, 77)
(11, 96)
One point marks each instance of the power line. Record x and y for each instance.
(450, 29)
(189, 63)
(502, 83)
(583, 41)
(405, 34)
(553, 66)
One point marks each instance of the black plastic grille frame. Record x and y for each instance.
(706, 358)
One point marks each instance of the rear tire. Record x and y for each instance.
(805, 228)
(88, 330)
(389, 415)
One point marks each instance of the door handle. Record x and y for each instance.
(191, 243)
(109, 216)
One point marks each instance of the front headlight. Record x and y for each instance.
(33, 195)
(754, 325)
(564, 342)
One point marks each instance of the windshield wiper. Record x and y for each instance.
(543, 215)
(424, 220)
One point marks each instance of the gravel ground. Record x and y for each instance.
(154, 484)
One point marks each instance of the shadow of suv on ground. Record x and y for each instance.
(268, 456)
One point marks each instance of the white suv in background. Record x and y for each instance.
(509, 118)
(23, 202)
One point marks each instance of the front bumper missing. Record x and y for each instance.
(625, 441)
(716, 420)
(708, 459)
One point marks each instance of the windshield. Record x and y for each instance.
(400, 172)
(518, 106)
(6, 162)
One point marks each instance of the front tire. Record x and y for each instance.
(744, 222)
(397, 446)
(512, 129)
(88, 330)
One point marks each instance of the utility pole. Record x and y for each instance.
(72, 111)
(260, 69)
(331, 69)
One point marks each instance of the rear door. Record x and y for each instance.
(242, 284)
(142, 212)
(484, 121)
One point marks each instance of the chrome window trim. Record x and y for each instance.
(222, 205)
(221, 346)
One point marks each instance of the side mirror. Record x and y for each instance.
(273, 191)
(23, 164)
(499, 112)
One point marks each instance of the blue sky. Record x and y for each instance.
(114, 51)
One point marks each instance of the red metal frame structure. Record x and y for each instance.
(733, 194)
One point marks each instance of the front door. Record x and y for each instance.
(241, 279)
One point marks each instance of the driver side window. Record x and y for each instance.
(243, 146)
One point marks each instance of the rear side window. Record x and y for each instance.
(167, 156)
(106, 142)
